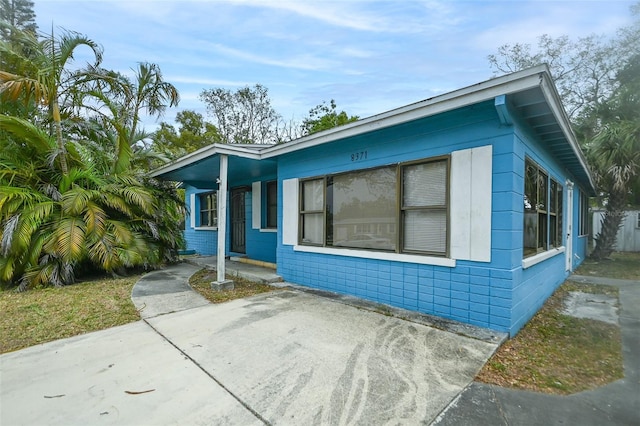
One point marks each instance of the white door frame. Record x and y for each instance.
(569, 216)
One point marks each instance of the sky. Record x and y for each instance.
(369, 56)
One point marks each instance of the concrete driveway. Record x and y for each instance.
(285, 357)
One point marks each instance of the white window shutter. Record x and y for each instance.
(290, 211)
(256, 205)
(471, 193)
(192, 210)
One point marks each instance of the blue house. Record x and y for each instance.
(471, 205)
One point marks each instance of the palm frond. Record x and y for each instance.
(70, 238)
(27, 132)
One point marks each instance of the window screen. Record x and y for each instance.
(424, 205)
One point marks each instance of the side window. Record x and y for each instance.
(272, 204)
(555, 214)
(584, 214)
(543, 211)
(208, 209)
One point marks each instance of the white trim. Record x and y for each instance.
(541, 257)
(378, 255)
(204, 153)
(538, 76)
(290, 211)
(470, 95)
(555, 104)
(206, 228)
(268, 230)
(192, 213)
(256, 205)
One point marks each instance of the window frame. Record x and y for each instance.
(400, 217)
(271, 205)
(545, 234)
(556, 211)
(201, 209)
(583, 216)
(303, 213)
(398, 223)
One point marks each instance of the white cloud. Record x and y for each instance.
(303, 62)
(205, 81)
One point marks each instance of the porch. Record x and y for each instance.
(260, 272)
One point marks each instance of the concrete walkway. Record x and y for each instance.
(166, 291)
(285, 357)
(615, 404)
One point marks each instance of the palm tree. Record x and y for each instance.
(117, 101)
(68, 197)
(614, 155)
(46, 78)
(53, 222)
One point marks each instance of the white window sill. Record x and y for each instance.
(541, 257)
(206, 228)
(268, 229)
(378, 255)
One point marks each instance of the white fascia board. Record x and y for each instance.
(449, 101)
(553, 99)
(204, 153)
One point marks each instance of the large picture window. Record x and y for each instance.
(208, 209)
(363, 209)
(543, 213)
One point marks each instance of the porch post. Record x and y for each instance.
(221, 282)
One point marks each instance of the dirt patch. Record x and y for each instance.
(201, 282)
(558, 353)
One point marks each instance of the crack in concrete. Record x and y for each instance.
(500, 410)
(233, 395)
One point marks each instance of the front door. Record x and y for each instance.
(238, 221)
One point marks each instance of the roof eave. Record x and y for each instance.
(203, 153)
(553, 99)
(449, 101)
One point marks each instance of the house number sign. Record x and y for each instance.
(360, 155)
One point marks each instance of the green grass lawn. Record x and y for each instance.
(42, 315)
(625, 266)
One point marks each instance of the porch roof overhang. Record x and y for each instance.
(201, 168)
(530, 94)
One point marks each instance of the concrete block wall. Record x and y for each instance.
(472, 294)
(260, 245)
(478, 293)
(202, 241)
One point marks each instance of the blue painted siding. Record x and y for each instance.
(259, 245)
(499, 294)
(203, 241)
(472, 292)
